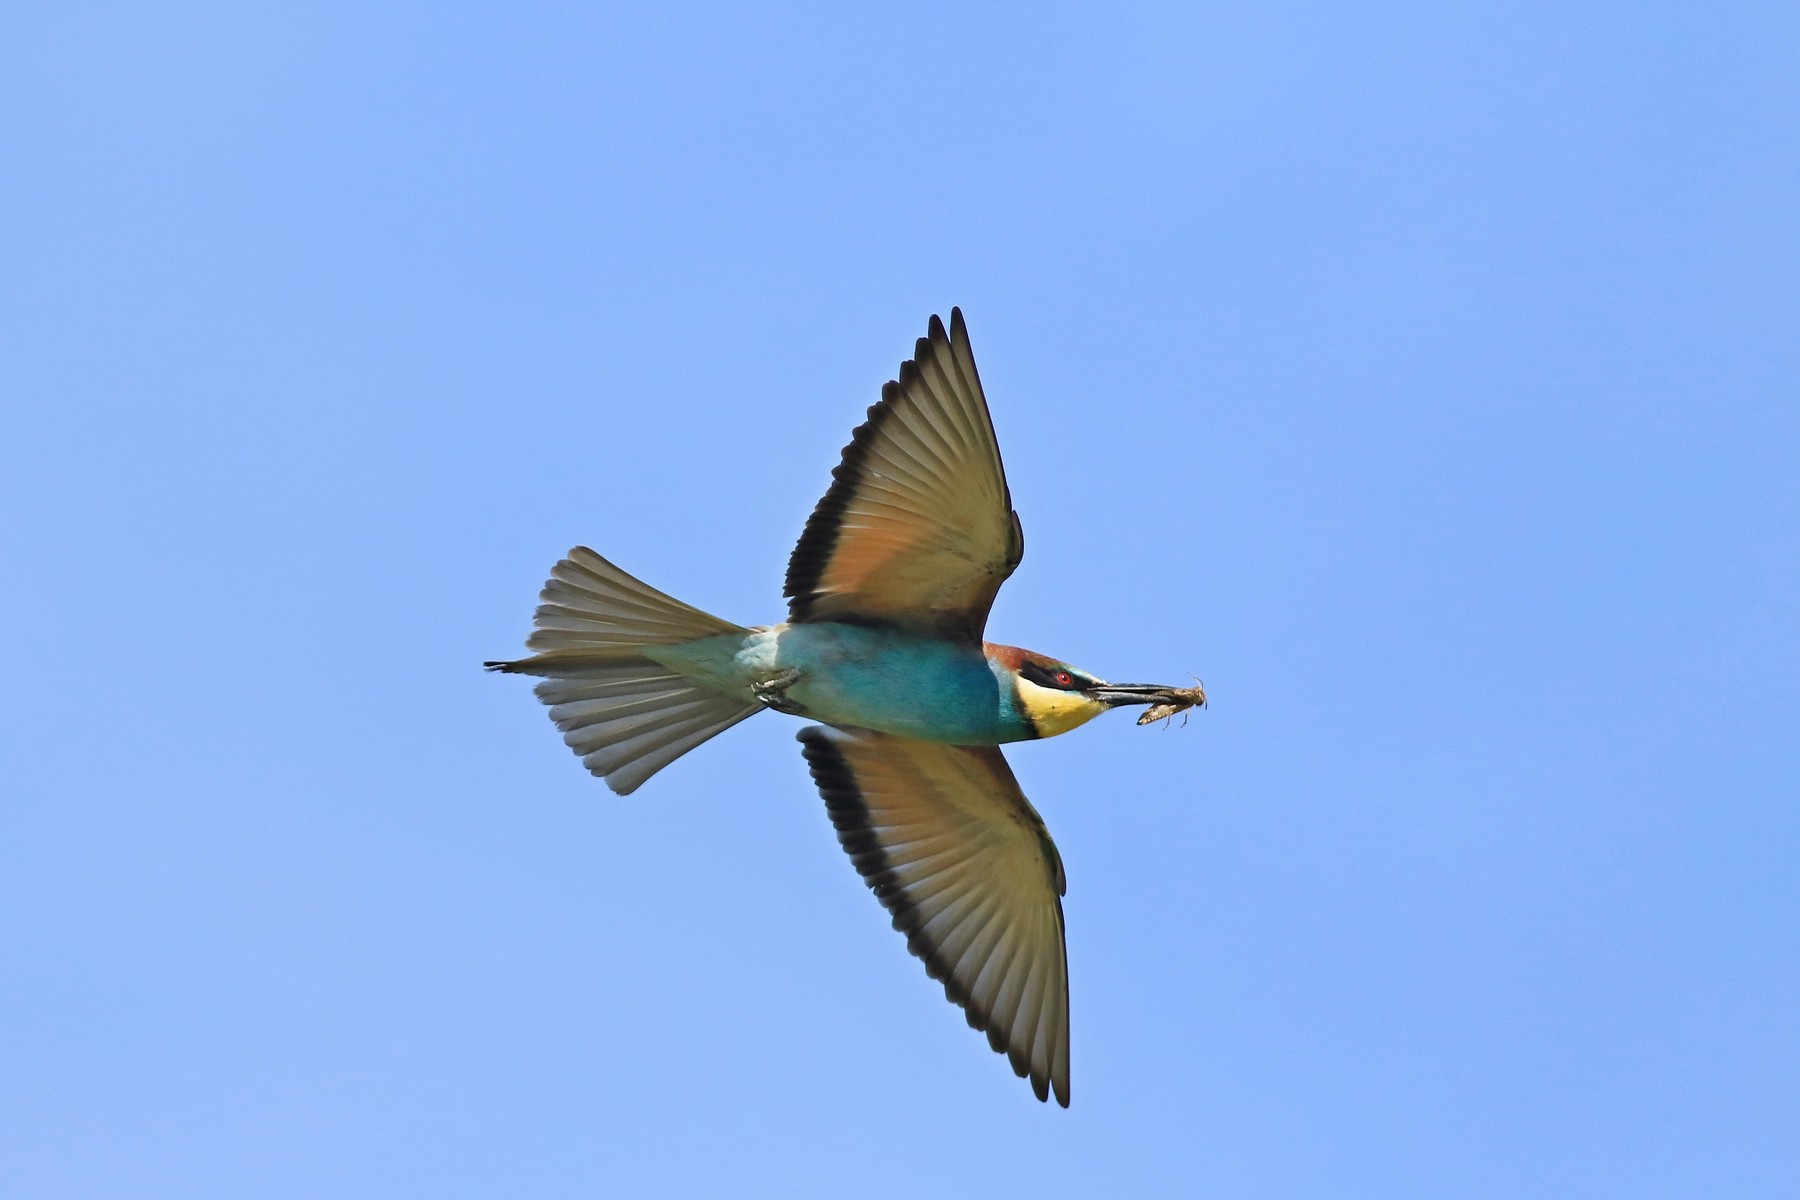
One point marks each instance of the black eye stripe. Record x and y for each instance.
(1047, 677)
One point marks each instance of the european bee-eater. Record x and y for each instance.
(889, 590)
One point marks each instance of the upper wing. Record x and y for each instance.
(957, 854)
(917, 527)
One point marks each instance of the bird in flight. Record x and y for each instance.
(888, 595)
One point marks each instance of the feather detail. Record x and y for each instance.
(626, 715)
(917, 528)
(950, 846)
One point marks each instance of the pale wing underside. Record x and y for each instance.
(917, 528)
(952, 848)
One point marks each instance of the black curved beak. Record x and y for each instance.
(1117, 694)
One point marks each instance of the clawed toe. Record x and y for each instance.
(773, 691)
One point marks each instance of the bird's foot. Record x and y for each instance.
(773, 691)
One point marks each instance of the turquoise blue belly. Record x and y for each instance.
(897, 683)
(878, 679)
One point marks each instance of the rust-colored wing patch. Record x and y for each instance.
(917, 528)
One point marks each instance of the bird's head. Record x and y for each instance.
(1055, 697)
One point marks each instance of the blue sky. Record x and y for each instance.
(1424, 377)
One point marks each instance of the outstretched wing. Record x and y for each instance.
(955, 852)
(918, 527)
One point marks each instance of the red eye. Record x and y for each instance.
(1063, 678)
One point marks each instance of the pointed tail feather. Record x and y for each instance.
(624, 714)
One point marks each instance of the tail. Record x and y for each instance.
(626, 715)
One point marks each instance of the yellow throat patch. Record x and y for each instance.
(1053, 711)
